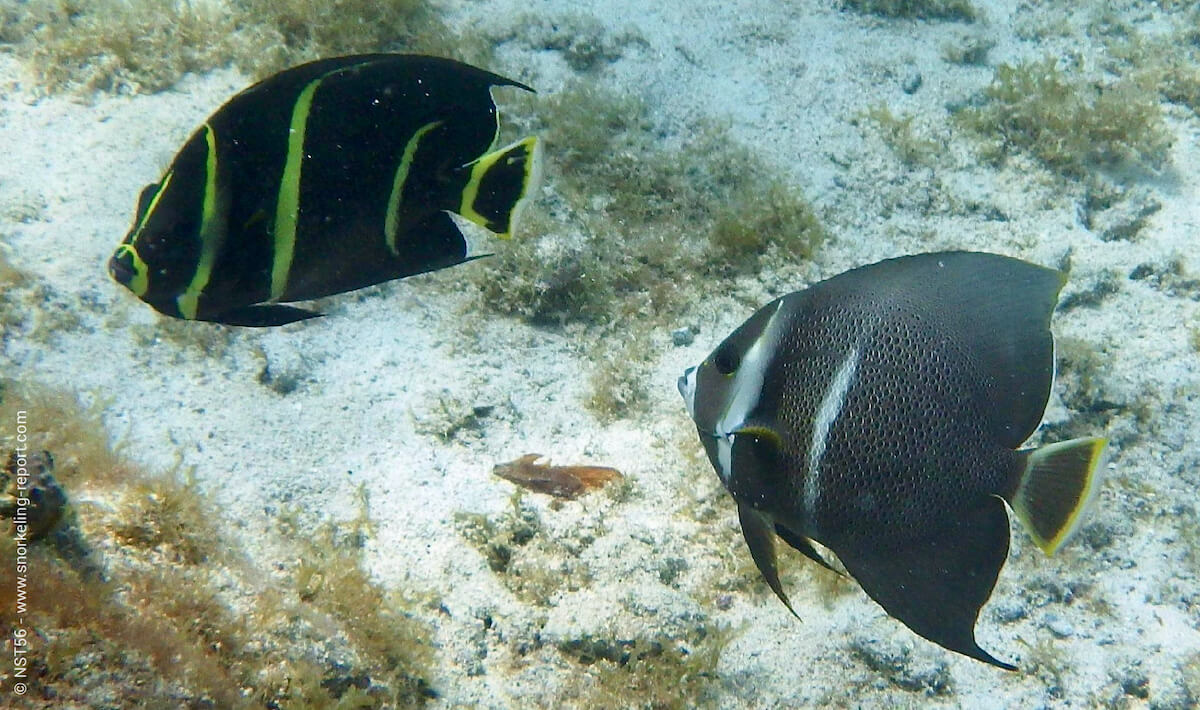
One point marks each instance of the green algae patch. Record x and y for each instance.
(531, 561)
(13, 311)
(617, 384)
(1169, 61)
(1069, 122)
(652, 672)
(631, 219)
(147, 45)
(960, 10)
(633, 227)
(141, 595)
(906, 141)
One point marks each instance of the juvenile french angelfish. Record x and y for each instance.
(879, 413)
(325, 178)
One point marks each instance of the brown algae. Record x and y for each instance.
(143, 598)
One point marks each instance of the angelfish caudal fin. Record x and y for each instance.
(1056, 489)
(499, 184)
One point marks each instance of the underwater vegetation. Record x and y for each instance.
(529, 559)
(652, 673)
(971, 50)
(147, 45)
(12, 282)
(140, 594)
(1167, 61)
(909, 143)
(961, 10)
(1067, 120)
(630, 216)
(33, 309)
(629, 223)
(584, 42)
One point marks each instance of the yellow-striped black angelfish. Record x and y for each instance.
(880, 413)
(325, 178)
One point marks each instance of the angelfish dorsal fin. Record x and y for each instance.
(996, 306)
(760, 538)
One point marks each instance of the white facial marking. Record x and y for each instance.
(747, 389)
(725, 457)
(687, 389)
(831, 406)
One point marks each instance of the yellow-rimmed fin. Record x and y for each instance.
(499, 184)
(1058, 485)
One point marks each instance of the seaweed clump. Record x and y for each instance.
(146, 45)
(13, 283)
(139, 596)
(898, 132)
(584, 42)
(1068, 122)
(528, 560)
(629, 226)
(960, 10)
(630, 222)
(655, 673)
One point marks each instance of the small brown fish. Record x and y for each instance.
(559, 481)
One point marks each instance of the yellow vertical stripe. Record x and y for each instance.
(212, 230)
(390, 220)
(141, 279)
(287, 206)
(162, 187)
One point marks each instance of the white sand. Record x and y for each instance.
(789, 78)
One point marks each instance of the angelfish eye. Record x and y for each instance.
(726, 361)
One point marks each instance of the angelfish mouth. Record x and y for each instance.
(120, 269)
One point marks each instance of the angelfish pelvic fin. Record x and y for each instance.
(265, 315)
(760, 538)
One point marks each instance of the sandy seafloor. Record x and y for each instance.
(789, 77)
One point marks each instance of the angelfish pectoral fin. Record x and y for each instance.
(937, 584)
(760, 538)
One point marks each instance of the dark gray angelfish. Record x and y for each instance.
(879, 413)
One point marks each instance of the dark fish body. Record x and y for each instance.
(880, 413)
(324, 178)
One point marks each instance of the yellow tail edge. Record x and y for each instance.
(500, 184)
(1057, 489)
